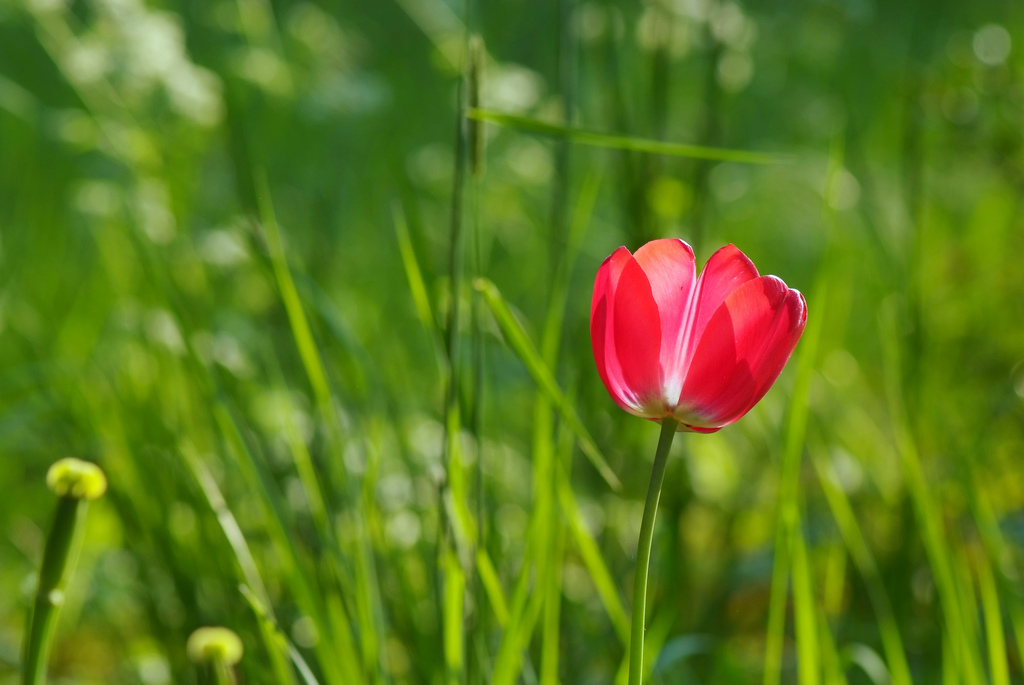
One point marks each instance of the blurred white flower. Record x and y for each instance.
(531, 160)
(98, 198)
(223, 247)
(511, 88)
(87, 61)
(731, 27)
(431, 164)
(305, 633)
(591, 20)
(403, 530)
(153, 212)
(992, 44)
(222, 349)
(162, 329)
(845, 191)
(729, 182)
(735, 70)
(262, 67)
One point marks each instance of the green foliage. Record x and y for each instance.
(327, 354)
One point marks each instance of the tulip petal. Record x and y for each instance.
(727, 270)
(669, 267)
(741, 352)
(636, 328)
(601, 316)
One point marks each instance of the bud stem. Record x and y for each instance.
(222, 674)
(643, 551)
(59, 559)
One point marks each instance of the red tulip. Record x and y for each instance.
(702, 350)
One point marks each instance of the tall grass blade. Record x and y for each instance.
(995, 636)
(268, 625)
(808, 645)
(304, 340)
(789, 521)
(338, 656)
(616, 142)
(364, 579)
(776, 631)
(243, 557)
(520, 343)
(963, 653)
(594, 562)
(413, 274)
(864, 560)
(832, 667)
(492, 586)
(454, 596)
(552, 581)
(509, 658)
(867, 660)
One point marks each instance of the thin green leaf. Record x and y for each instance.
(243, 555)
(412, 269)
(269, 624)
(790, 533)
(325, 610)
(857, 546)
(520, 342)
(963, 650)
(290, 296)
(594, 562)
(617, 142)
(867, 660)
(994, 633)
(454, 596)
(492, 586)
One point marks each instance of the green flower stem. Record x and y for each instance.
(222, 674)
(58, 561)
(643, 552)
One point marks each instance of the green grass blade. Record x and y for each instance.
(304, 340)
(776, 631)
(962, 650)
(338, 657)
(454, 596)
(791, 535)
(968, 600)
(594, 562)
(867, 660)
(617, 142)
(243, 557)
(413, 273)
(996, 546)
(364, 581)
(509, 657)
(520, 343)
(228, 524)
(492, 586)
(995, 636)
(807, 636)
(857, 546)
(552, 582)
(832, 666)
(550, 631)
(269, 626)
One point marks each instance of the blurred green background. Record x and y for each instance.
(269, 399)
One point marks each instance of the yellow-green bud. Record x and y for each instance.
(76, 478)
(214, 644)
